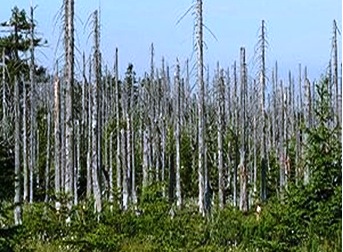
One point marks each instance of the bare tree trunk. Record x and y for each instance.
(17, 171)
(25, 170)
(57, 154)
(243, 204)
(201, 103)
(77, 161)
(69, 73)
(32, 110)
(117, 109)
(281, 139)
(110, 198)
(90, 136)
(163, 126)
(255, 156)
(308, 118)
(95, 121)
(133, 153)
(299, 123)
(335, 74)
(178, 134)
(4, 102)
(125, 192)
(220, 133)
(236, 125)
(48, 148)
(263, 114)
(145, 158)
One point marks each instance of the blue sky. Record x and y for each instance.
(299, 31)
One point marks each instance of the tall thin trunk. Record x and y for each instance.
(57, 154)
(308, 118)
(69, 73)
(335, 73)
(133, 176)
(90, 136)
(281, 139)
(95, 121)
(48, 147)
(110, 174)
(220, 133)
(117, 109)
(77, 160)
(178, 134)
(236, 125)
(25, 168)
(243, 204)
(201, 103)
(163, 125)
(4, 94)
(263, 113)
(32, 109)
(17, 171)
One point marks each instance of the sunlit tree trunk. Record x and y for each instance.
(243, 204)
(25, 168)
(263, 112)
(57, 160)
(118, 139)
(338, 107)
(201, 103)
(33, 127)
(69, 81)
(95, 121)
(220, 133)
(236, 126)
(17, 171)
(4, 119)
(178, 134)
(307, 117)
(90, 135)
(48, 151)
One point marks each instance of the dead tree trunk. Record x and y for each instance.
(17, 171)
(178, 134)
(57, 154)
(243, 204)
(33, 127)
(95, 121)
(25, 170)
(69, 75)
(220, 135)
(201, 103)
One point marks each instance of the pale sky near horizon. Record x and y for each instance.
(299, 31)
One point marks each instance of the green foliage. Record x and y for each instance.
(17, 42)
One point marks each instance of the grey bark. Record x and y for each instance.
(220, 134)
(243, 203)
(236, 125)
(32, 110)
(95, 121)
(57, 160)
(263, 114)
(90, 136)
(308, 118)
(118, 139)
(25, 166)
(178, 134)
(338, 106)
(17, 171)
(201, 102)
(69, 73)
(48, 150)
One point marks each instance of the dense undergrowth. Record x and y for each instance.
(156, 226)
